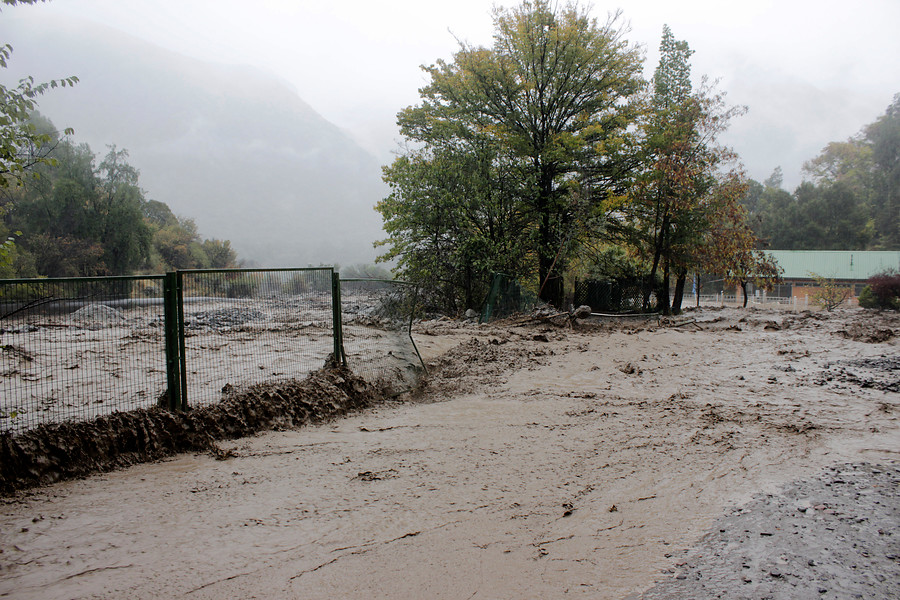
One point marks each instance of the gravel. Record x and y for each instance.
(835, 536)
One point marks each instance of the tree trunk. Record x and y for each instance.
(697, 288)
(744, 289)
(657, 256)
(663, 293)
(679, 292)
(549, 266)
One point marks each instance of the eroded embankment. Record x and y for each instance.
(75, 449)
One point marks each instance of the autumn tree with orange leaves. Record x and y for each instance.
(729, 246)
(681, 202)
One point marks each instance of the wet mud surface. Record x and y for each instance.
(75, 449)
(538, 460)
(834, 536)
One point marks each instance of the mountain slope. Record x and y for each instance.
(232, 147)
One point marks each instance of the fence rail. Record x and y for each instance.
(75, 349)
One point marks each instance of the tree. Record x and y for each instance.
(551, 96)
(125, 236)
(884, 138)
(219, 253)
(775, 179)
(453, 221)
(78, 218)
(730, 248)
(670, 209)
(22, 145)
(72, 200)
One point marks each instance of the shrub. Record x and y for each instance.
(884, 290)
(830, 294)
(867, 298)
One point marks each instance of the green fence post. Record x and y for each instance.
(491, 299)
(170, 325)
(339, 355)
(179, 291)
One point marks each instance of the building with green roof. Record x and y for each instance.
(852, 267)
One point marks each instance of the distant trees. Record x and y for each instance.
(81, 218)
(851, 202)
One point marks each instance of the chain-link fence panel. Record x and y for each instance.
(74, 349)
(506, 297)
(249, 326)
(377, 317)
(616, 296)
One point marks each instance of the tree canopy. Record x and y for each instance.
(851, 200)
(548, 147)
(81, 217)
(547, 101)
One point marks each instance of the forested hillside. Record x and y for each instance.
(77, 214)
(851, 201)
(236, 149)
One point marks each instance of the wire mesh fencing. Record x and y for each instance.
(616, 296)
(248, 326)
(506, 297)
(79, 348)
(75, 349)
(376, 332)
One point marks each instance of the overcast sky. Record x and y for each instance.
(810, 71)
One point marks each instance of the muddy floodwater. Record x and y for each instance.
(727, 453)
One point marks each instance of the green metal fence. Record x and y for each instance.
(376, 331)
(79, 348)
(505, 298)
(247, 326)
(616, 296)
(74, 349)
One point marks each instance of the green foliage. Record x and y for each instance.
(852, 201)
(679, 195)
(867, 298)
(513, 145)
(829, 294)
(613, 263)
(452, 223)
(78, 218)
(219, 254)
(882, 291)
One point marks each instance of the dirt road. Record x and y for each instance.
(539, 462)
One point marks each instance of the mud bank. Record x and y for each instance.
(56, 452)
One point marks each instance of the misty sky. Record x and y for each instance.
(810, 71)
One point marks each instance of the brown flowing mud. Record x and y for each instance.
(538, 461)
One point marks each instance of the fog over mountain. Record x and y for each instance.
(231, 147)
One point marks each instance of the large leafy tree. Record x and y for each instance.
(452, 220)
(673, 200)
(550, 98)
